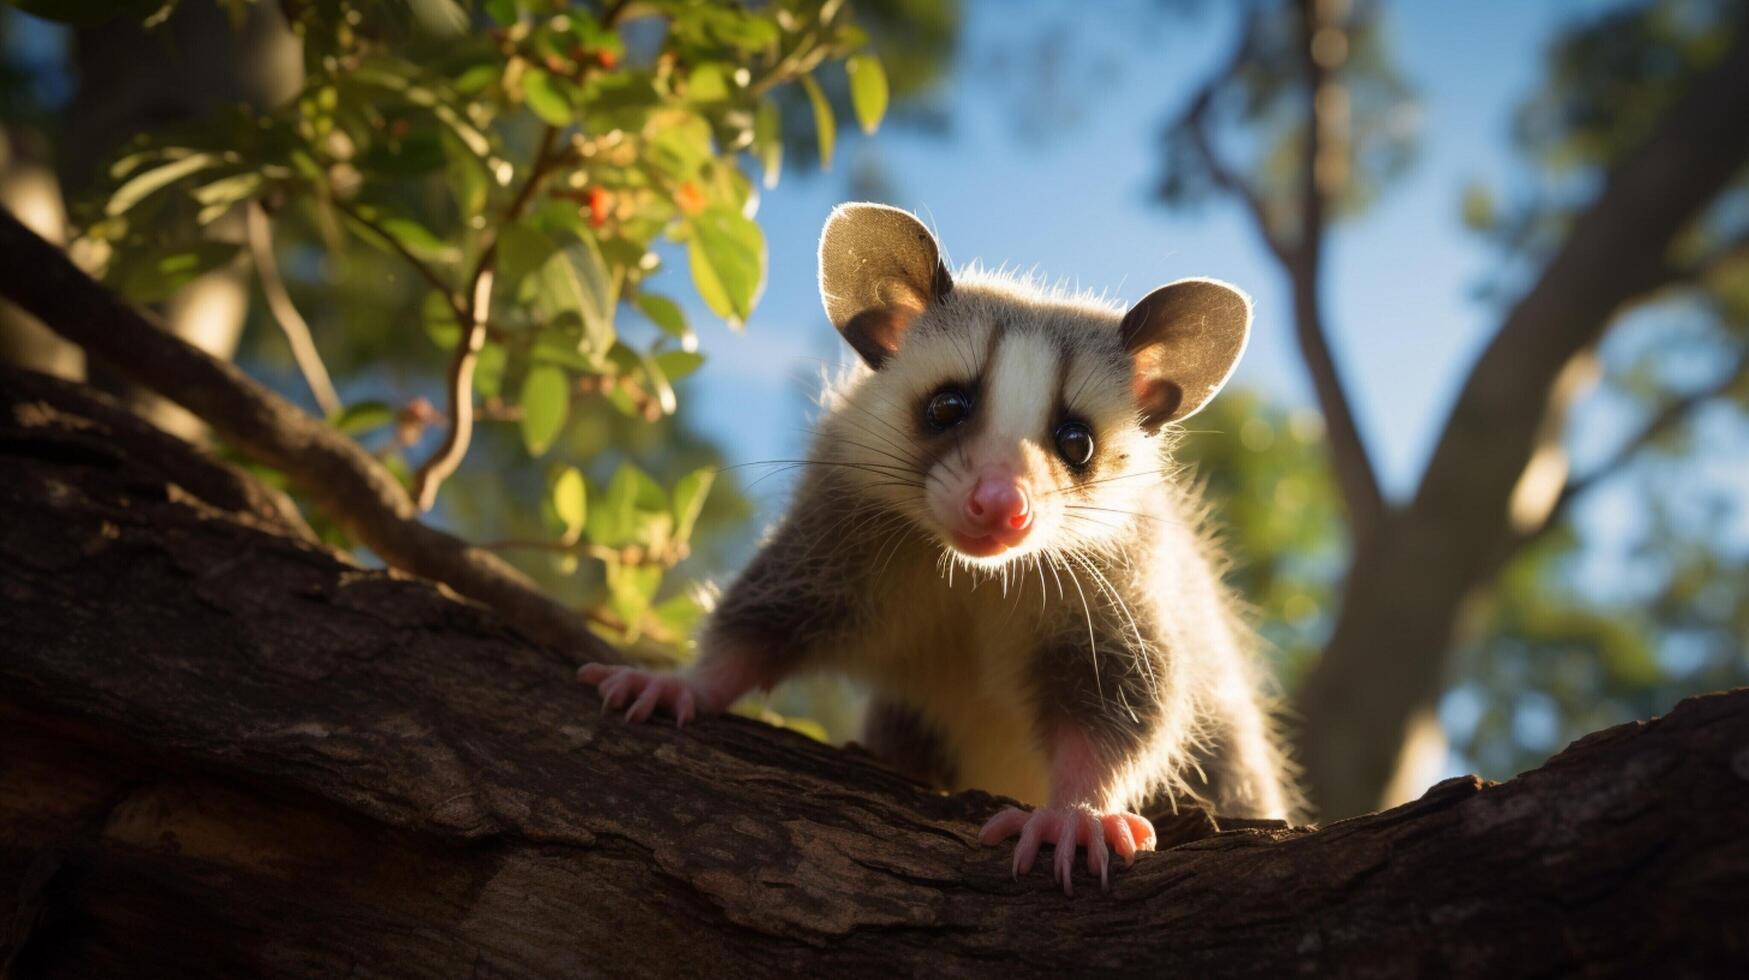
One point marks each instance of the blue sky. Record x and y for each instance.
(1076, 204)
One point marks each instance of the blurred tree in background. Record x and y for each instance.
(1473, 595)
(1556, 654)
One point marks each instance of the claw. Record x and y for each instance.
(1063, 862)
(646, 702)
(684, 709)
(1098, 858)
(1117, 831)
(1068, 828)
(641, 693)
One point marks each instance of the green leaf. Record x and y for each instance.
(706, 83)
(149, 275)
(521, 251)
(868, 90)
(439, 320)
(546, 397)
(556, 344)
(681, 148)
(489, 370)
(660, 386)
(546, 98)
(420, 240)
(442, 18)
(361, 417)
(768, 141)
(570, 501)
(727, 253)
(677, 364)
(473, 81)
(629, 590)
(575, 280)
(156, 179)
(664, 313)
(624, 514)
(689, 496)
(229, 190)
(825, 125)
(678, 614)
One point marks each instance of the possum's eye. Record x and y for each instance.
(1075, 444)
(946, 409)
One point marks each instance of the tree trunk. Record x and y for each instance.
(232, 752)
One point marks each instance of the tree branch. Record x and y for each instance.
(343, 479)
(254, 758)
(285, 312)
(1302, 261)
(1355, 475)
(1227, 179)
(1672, 414)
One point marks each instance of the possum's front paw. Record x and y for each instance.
(1067, 828)
(645, 689)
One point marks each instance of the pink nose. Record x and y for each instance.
(997, 505)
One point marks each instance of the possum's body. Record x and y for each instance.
(1131, 632)
(991, 536)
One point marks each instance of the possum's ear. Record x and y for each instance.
(879, 268)
(1185, 339)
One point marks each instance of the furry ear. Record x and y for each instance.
(1185, 339)
(879, 268)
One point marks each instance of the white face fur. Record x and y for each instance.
(1001, 419)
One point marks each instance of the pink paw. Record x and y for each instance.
(1067, 828)
(646, 691)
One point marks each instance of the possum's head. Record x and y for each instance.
(1002, 419)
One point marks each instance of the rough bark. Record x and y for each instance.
(230, 752)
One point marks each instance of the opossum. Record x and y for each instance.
(991, 534)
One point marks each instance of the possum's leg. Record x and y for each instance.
(1101, 707)
(779, 614)
(1241, 760)
(902, 738)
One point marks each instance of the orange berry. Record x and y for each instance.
(689, 197)
(600, 206)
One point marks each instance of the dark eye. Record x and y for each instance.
(946, 409)
(1075, 444)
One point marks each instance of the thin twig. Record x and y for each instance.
(448, 457)
(285, 312)
(1220, 171)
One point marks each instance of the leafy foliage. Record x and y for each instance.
(532, 166)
